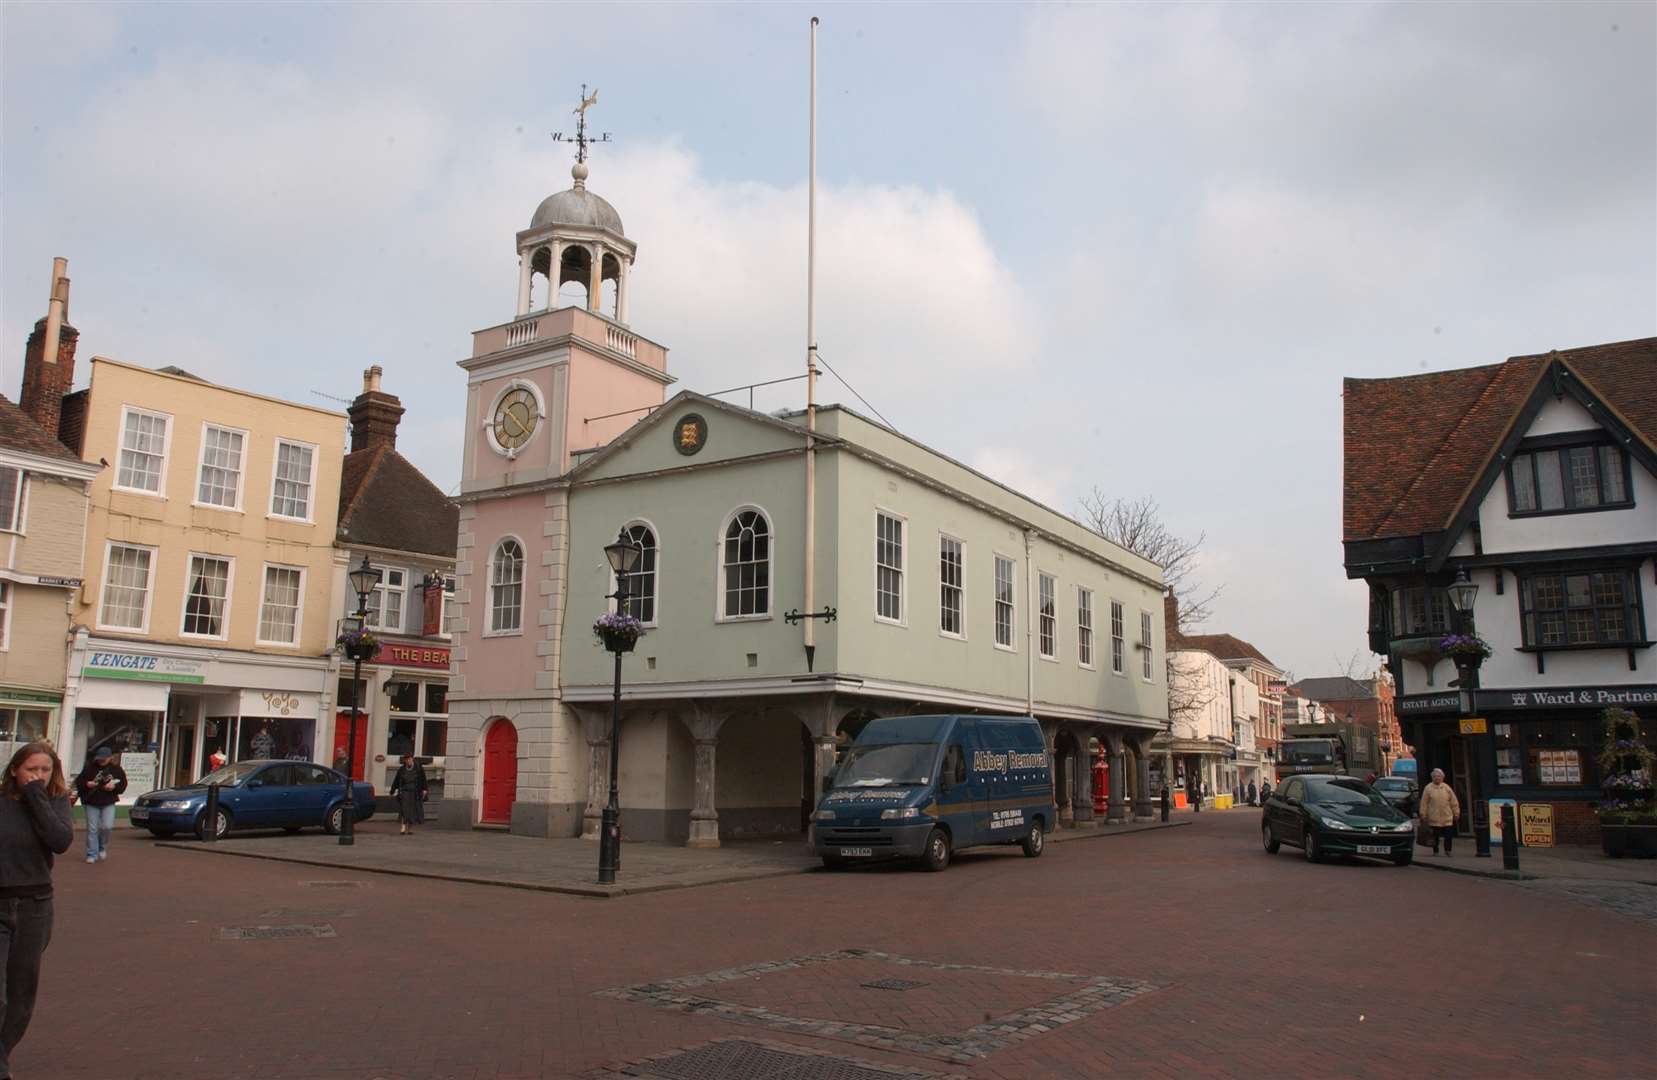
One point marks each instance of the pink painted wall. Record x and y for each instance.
(500, 664)
(599, 386)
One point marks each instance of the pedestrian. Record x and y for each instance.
(409, 787)
(1265, 791)
(1254, 793)
(1439, 810)
(99, 786)
(34, 825)
(342, 761)
(216, 760)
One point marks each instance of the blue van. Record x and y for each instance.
(922, 787)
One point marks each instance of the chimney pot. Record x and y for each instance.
(374, 415)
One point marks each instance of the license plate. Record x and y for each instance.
(1374, 849)
(138, 813)
(856, 852)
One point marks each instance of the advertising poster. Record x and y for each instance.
(1496, 818)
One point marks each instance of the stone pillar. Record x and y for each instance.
(621, 292)
(704, 815)
(595, 727)
(555, 270)
(524, 260)
(595, 278)
(1050, 735)
(1117, 812)
(1142, 806)
(1081, 793)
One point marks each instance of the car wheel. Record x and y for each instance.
(1309, 845)
(221, 825)
(1035, 843)
(335, 821)
(162, 833)
(1404, 859)
(936, 855)
(1267, 839)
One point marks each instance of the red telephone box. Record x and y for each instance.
(1101, 784)
(342, 728)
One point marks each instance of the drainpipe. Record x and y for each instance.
(1029, 629)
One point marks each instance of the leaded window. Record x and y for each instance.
(746, 559)
(1584, 608)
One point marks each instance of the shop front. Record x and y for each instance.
(26, 715)
(403, 708)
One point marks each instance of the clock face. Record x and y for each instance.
(515, 418)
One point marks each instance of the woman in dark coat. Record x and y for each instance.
(409, 786)
(34, 826)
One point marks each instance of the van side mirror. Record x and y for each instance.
(828, 781)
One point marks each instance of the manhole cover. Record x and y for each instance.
(275, 933)
(893, 984)
(739, 1059)
(334, 884)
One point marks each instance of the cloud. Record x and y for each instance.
(1022, 471)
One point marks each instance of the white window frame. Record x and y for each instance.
(241, 470)
(229, 590)
(149, 588)
(1147, 630)
(383, 589)
(489, 588)
(310, 483)
(19, 492)
(298, 611)
(443, 608)
(771, 556)
(1042, 596)
(902, 569)
(995, 601)
(1118, 638)
(7, 598)
(166, 419)
(1086, 639)
(960, 589)
(655, 571)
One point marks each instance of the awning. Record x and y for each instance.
(122, 694)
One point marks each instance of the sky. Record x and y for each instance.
(1131, 248)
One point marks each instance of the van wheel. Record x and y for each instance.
(936, 855)
(1036, 842)
(1268, 838)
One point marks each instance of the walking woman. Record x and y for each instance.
(409, 786)
(34, 825)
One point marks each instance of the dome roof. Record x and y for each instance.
(577, 207)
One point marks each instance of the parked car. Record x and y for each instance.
(1400, 791)
(1335, 815)
(257, 794)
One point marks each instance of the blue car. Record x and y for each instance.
(257, 794)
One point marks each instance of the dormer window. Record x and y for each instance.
(1567, 474)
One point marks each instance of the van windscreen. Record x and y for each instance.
(886, 764)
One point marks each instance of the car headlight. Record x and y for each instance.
(823, 815)
(1333, 823)
(1404, 826)
(900, 813)
(176, 804)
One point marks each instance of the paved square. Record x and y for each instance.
(957, 1012)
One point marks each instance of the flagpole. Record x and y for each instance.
(809, 624)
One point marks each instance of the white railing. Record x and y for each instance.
(520, 333)
(620, 340)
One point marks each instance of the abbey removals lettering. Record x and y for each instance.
(1006, 761)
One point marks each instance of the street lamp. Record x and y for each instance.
(624, 557)
(359, 647)
(1462, 594)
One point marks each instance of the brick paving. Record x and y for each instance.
(1253, 962)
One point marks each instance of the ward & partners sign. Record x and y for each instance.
(1567, 697)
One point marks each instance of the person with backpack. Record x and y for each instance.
(99, 787)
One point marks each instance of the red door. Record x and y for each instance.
(342, 728)
(500, 773)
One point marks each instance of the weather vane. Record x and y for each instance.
(581, 139)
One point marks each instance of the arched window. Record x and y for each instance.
(506, 588)
(641, 583)
(745, 558)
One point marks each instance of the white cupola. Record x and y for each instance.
(575, 254)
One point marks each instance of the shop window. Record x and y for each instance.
(437, 698)
(434, 740)
(405, 696)
(282, 738)
(23, 725)
(1551, 753)
(399, 739)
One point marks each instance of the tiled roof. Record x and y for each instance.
(1415, 445)
(384, 501)
(18, 431)
(1335, 688)
(1223, 646)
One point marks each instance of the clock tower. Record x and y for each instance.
(566, 375)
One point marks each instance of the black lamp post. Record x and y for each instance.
(1462, 594)
(624, 558)
(363, 580)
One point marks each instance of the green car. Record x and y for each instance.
(1335, 815)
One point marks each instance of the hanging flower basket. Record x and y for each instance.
(1628, 812)
(1464, 646)
(358, 644)
(618, 632)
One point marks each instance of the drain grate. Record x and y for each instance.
(334, 884)
(893, 984)
(276, 933)
(740, 1059)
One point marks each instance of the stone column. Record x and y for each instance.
(1081, 793)
(704, 815)
(621, 291)
(1142, 802)
(524, 259)
(555, 269)
(1117, 812)
(1050, 735)
(595, 279)
(595, 727)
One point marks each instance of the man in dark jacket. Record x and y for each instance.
(99, 786)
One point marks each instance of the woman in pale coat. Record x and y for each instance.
(1440, 809)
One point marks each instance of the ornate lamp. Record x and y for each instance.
(363, 580)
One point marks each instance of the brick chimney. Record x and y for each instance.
(374, 415)
(49, 357)
(1170, 615)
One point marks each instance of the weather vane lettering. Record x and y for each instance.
(581, 139)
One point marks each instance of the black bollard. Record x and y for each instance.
(210, 816)
(1510, 839)
(1167, 802)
